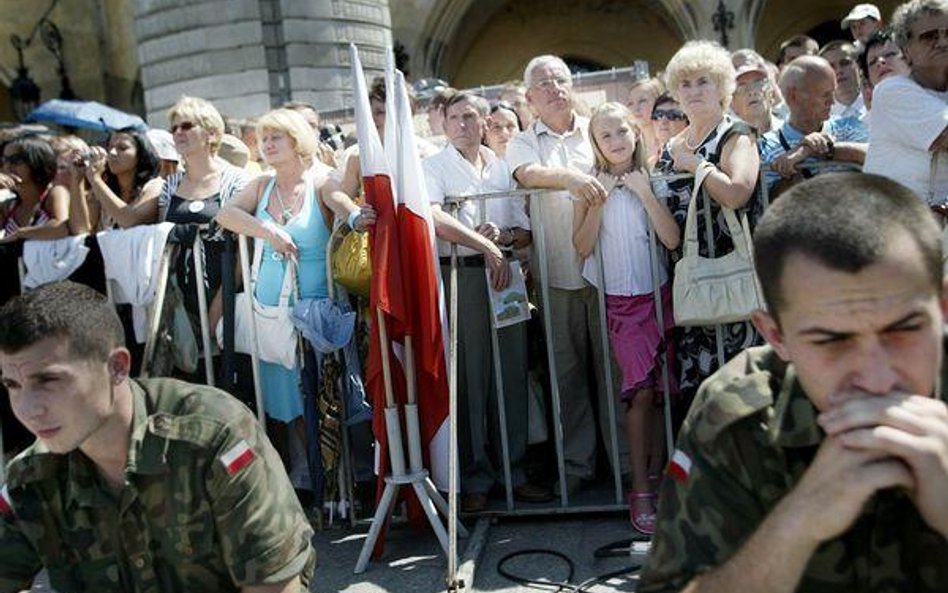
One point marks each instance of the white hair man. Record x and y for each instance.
(554, 152)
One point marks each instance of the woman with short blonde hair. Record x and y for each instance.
(291, 210)
(701, 78)
(291, 123)
(707, 59)
(203, 113)
(196, 194)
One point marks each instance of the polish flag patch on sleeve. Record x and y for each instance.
(238, 457)
(6, 507)
(679, 468)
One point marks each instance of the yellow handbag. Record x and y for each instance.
(352, 262)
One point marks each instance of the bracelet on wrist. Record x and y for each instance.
(353, 216)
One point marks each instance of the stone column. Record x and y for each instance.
(205, 48)
(317, 35)
(247, 56)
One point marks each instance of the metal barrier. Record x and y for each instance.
(657, 254)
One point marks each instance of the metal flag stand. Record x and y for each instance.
(417, 476)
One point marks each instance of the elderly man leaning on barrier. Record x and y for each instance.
(482, 228)
(809, 135)
(555, 153)
(820, 461)
(134, 485)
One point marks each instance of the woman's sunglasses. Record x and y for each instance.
(183, 126)
(669, 114)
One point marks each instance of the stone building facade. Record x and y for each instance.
(247, 55)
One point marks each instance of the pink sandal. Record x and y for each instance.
(643, 520)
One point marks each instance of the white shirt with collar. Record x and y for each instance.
(540, 145)
(449, 174)
(856, 109)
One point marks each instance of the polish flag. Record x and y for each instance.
(237, 457)
(404, 271)
(427, 322)
(679, 468)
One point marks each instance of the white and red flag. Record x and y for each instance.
(405, 284)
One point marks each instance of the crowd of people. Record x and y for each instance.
(746, 130)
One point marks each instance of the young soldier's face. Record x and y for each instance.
(857, 335)
(60, 399)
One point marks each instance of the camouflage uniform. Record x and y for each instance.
(183, 521)
(748, 449)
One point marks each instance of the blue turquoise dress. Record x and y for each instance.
(282, 399)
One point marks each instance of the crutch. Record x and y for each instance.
(154, 312)
(197, 254)
(254, 362)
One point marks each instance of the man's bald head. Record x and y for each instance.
(803, 71)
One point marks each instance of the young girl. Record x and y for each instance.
(618, 226)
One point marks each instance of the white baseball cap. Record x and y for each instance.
(163, 143)
(859, 12)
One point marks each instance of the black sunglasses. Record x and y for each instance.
(669, 114)
(183, 126)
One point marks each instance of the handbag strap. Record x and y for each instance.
(739, 231)
(289, 274)
(932, 172)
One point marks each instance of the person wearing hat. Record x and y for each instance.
(168, 158)
(754, 95)
(862, 21)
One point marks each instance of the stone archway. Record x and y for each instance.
(781, 19)
(489, 41)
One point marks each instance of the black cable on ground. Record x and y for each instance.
(612, 550)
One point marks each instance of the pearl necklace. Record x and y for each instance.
(702, 138)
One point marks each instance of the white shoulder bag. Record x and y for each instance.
(276, 336)
(712, 291)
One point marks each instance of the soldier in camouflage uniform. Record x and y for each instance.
(819, 462)
(145, 486)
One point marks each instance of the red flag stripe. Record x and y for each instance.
(679, 467)
(238, 457)
(6, 507)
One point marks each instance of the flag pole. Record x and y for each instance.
(393, 426)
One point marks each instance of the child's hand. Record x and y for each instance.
(608, 181)
(638, 182)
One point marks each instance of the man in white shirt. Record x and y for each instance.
(909, 120)
(467, 167)
(554, 152)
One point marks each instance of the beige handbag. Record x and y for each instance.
(711, 291)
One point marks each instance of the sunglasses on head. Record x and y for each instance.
(669, 114)
(13, 159)
(183, 126)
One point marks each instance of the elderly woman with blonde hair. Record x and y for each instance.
(701, 78)
(291, 208)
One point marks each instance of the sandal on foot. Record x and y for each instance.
(643, 520)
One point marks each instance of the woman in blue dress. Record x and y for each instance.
(291, 209)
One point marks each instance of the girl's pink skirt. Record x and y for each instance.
(637, 343)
